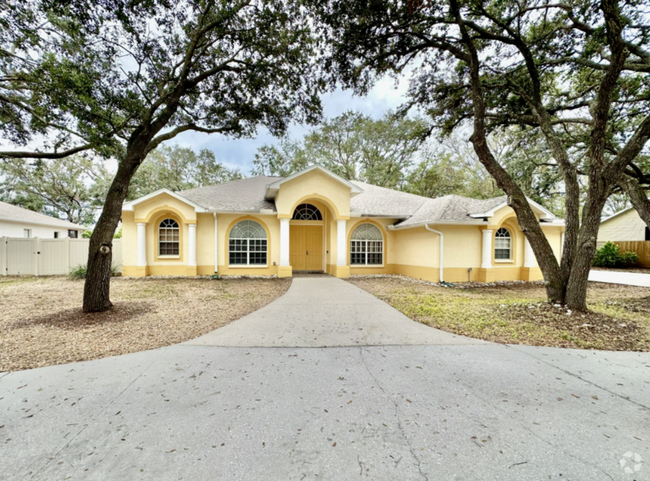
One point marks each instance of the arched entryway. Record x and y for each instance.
(307, 237)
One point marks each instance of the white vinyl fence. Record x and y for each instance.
(47, 257)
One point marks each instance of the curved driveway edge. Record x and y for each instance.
(325, 311)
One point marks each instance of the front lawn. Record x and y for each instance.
(41, 322)
(517, 313)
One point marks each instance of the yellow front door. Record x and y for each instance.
(306, 252)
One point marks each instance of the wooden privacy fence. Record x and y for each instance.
(642, 248)
(47, 257)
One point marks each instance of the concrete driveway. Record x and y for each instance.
(442, 411)
(323, 311)
(617, 277)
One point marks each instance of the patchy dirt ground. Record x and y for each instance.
(41, 322)
(619, 317)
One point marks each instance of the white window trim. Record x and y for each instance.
(178, 228)
(366, 253)
(510, 259)
(248, 253)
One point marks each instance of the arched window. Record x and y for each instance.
(502, 244)
(307, 212)
(366, 246)
(247, 244)
(169, 238)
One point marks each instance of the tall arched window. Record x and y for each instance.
(366, 246)
(502, 244)
(169, 238)
(307, 212)
(247, 244)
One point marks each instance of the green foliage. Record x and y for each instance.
(81, 270)
(610, 255)
(178, 168)
(352, 145)
(61, 188)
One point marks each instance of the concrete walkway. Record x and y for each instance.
(616, 277)
(449, 410)
(323, 311)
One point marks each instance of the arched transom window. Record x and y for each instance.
(502, 244)
(366, 246)
(247, 244)
(307, 212)
(168, 238)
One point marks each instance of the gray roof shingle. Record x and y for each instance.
(14, 213)
(244, 195)
(247, 195)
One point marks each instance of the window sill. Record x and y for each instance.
(244, 266)
(169, 257)
(374, 266)
(504, 261)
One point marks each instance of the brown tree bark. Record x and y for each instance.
(100, 251)
(554, 282)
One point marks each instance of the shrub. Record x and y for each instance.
(79, 272)
(610, 255)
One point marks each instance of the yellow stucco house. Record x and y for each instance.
(314, 220)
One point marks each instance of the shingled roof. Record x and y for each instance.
(248, 195)
(14, 213)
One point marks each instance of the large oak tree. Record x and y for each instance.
(573, 72)
(124, 77)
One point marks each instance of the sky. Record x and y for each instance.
(239, 153)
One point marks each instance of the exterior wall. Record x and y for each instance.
(389, 246)
(411, 252)
(16, 229)
(314, 185)
(625, 227)
(272, 226)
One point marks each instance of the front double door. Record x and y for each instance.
(306, 243)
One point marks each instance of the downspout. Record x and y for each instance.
(442, 238)
(216, 259)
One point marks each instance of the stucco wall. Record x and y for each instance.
(314, 185)
(16, 229)
(624, 227)
(272, 225)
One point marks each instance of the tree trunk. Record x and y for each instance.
(576, 289)
(100, 251)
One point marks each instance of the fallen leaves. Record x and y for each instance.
(41, 322)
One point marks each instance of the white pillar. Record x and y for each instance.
(529, 255)
(561, 244)
(341, 244)
(487, 249)
(284, 242)
(216, 245)
(191, 261)
(142, 244)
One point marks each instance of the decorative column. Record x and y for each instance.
(216, 244)
(486, 274)
(141, 269)
(191, 261)
(486, 262)
(342, 269)
(529, 255)
(284, 270)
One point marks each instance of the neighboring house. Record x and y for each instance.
(18, 222)
(625, 225)
(316, 221)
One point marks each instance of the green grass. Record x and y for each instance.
(619, 317)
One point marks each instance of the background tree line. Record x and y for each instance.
(394, 152)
